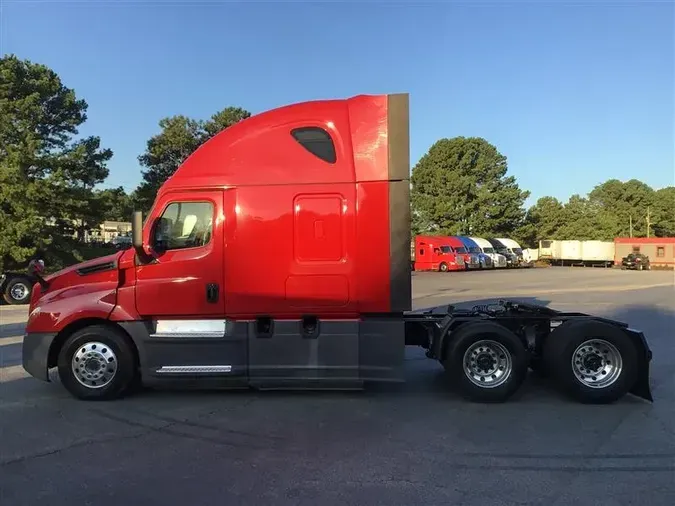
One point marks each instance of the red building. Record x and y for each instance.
(660, 250)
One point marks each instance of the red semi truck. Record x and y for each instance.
(325, 184)
(430, 253)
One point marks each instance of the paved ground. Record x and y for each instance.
(414, 444)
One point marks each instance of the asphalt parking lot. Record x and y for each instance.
(404, 445)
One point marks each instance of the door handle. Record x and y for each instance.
(212, 292)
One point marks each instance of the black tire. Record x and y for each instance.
(17, 291)
(559, 349)
(469, 335)
(443, 267)
(114, 341)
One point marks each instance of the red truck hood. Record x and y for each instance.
(77, 280)
(87, 289)
(87, 266)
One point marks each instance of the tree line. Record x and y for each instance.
(461, 187)
(50, 179)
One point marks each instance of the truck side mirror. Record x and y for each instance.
(35, 269)
(137, 230)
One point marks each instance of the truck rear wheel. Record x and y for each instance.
(592, 361)
(17, 291)
(97, 363)
(486, 361)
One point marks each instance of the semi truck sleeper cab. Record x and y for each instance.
(326, 185)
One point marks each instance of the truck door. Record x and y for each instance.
(185, 278)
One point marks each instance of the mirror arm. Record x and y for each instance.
(43, 282)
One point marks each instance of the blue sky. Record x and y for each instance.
(573, 93)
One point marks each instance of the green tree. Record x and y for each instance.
(583, 221)
(180, 136)
(460, 186)
(116, 204)
(619, 204)
(79, 170)
(663, 219)
(46, 178)
(542, 221)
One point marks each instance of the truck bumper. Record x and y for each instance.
(35, 354)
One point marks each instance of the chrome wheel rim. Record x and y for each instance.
(597, 363)
(19, 291)
(94, 365)
(487, 364)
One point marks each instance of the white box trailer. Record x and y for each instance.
(597, 251)
(577, 253)
(570, 251)
(549, 250)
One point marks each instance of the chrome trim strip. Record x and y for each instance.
(190, 328)
(192, 369)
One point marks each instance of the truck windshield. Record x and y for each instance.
(460, 250)
(488, 250)
(474, 249)
(503, 251)
(446, 249)
(518, 251)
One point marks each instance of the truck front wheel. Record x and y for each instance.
(486, 361)
(443, 267)
(592, 361)
(97, 363)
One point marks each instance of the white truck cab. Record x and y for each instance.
(498, 259)
(513, 247)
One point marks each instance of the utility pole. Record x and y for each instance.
(648, 222)
(630, 218)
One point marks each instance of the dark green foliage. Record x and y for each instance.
(460, 187)
(612, 209)
(46, 176)
(116, 204)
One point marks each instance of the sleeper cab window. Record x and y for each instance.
(184, 225)
(660, 251)
(317, 141)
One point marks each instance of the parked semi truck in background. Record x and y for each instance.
(502, 249)
(327, 184)
(432, 253)
(472, 247)
(514, 248)
(15, 287)
(498, 260)
(471, 260)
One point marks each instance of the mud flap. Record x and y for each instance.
(642, 387)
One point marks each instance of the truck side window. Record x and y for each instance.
(184, 225)
(317, 141)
